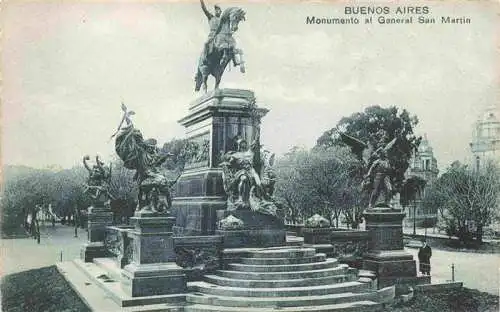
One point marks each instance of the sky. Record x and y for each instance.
(68, 65)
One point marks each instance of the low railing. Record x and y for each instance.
(347, 245)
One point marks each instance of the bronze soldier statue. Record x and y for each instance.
(213, 23)
(379, 172)
(220, 47)
(146, 158)
(98, 180)
(248, 179)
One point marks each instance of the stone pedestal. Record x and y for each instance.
(153, 270)
(386, 255)
(318, 238)
(99, 217)
(258, 230)
(213, 123)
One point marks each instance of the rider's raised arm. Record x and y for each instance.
(204, 8)
(85, 158)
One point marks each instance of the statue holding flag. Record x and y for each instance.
(145, 158)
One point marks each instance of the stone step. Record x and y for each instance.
(290, 252)
(279, 302)
(328, 263)
(211, 289)
(273, 261)
(90, 292)
(224, 281)
(340, 269)
(110, 266)
(292, 240)
(110, 288)
(359, 306)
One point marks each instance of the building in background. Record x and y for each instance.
(423, 167)
(485, 143)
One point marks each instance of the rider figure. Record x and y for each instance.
(213, 22)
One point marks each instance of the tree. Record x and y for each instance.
(179, 150)
(298, 198)
(124, 190)
(469, 197)
(378, 126)
(315, 181)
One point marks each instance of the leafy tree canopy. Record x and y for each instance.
(377, 126)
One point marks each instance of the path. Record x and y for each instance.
(476, 270)
(22, 254)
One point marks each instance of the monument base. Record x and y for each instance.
(90, 251)
(200, 194)
(257, 230)
(386, 256)
(99, 217)
(390, 266)
(152, 238)
(153, 279)
(152, 270)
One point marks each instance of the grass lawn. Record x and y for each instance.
(463, 300)
(41, 289)
(45, 289)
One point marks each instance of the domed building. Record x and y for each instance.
(424, 170)
(423, 163)
(485, 143)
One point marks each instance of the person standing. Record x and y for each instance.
(76, 219)
(424, 258)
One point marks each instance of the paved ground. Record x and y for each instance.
(479, 271)
(22, 254)
(475, 270)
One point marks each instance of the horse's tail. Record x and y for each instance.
(198, 78)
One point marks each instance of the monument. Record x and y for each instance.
(224, 215)
(228, 176)
(99, 213)
(220, 48)
(152, 269)
(386, 255)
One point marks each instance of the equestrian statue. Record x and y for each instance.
(220, 47)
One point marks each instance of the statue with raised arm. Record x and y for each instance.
(220, 47)
(99, 179)
(145, 158)
(213, 23)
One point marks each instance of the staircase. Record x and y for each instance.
(285, 279)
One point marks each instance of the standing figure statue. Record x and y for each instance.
(379, 173)
(247, 180)
(98, 180)
(377, 179)
(220, 47)
(145, 158)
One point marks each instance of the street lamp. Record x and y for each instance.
(414, 218)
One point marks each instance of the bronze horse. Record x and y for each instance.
(222, 50)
